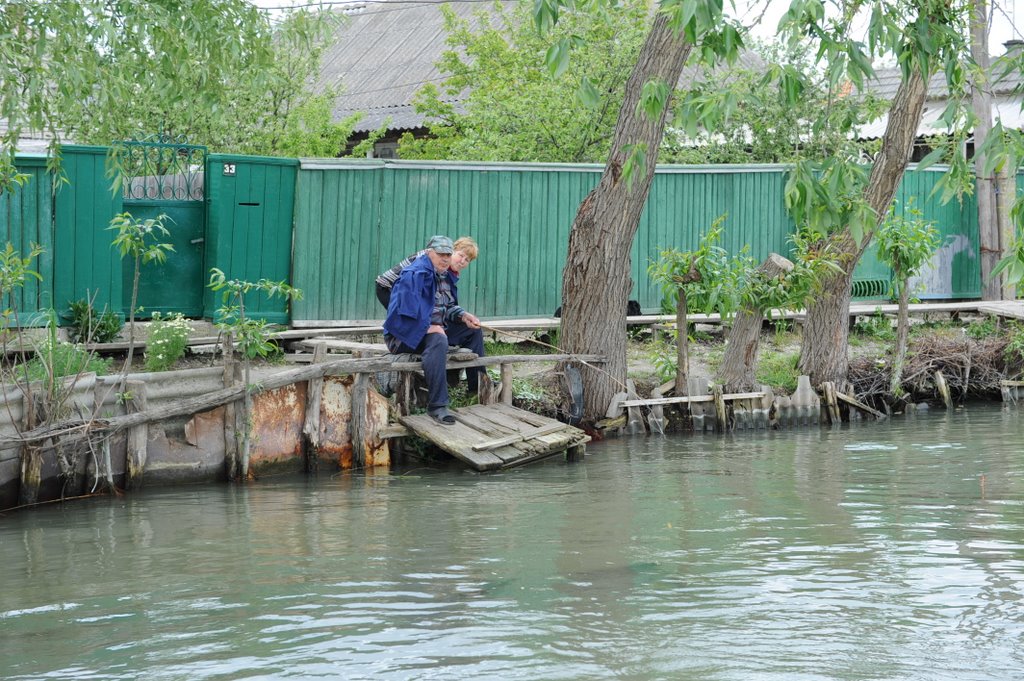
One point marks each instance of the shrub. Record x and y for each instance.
(86, 326)
(168, 338)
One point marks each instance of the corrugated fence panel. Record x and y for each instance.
(26, 218)
(85, 263)
(955, 268)
(338, 244)
(251, 201)
(357, 218)
(685, 202)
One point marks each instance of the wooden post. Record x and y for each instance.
(31, 458)
(311, 424)
(138, 437)
(720, 414)
(356, 424)
(943, 388)
(575, 453)
(485, 389)
(829, 388)
(506, 384)
(230, 417)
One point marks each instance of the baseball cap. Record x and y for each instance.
(441, 244)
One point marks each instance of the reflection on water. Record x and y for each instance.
(878, 552)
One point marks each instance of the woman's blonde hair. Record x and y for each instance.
(467, 246)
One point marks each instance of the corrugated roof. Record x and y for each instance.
(383, 54)
(387, 51)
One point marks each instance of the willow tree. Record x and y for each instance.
(100, 71)
(596, 280)
(834, 200)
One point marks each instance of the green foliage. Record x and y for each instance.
(906, 242)
(775, 114)
(707, 275)
(252, 336)
(216, 72)
(875, 326)
(779, 370)
(515, 109)
(137, 239)
(789, 290)
(168, 338)
(1014, 352)
(88, 325)
(14, 270)
(55, 359)
(979, 330)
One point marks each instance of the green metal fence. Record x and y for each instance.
(356, 218)
(26, 218)
(85, 264)
(330, 226)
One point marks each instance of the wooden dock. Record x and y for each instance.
(499, 436)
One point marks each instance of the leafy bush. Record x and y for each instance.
(982, 329)
(88, 326)
(168, 338)
(876, 326)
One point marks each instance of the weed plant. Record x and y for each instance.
(982, 329)
(779, 370)
(877, 327)
(87, 325)
(56, 359)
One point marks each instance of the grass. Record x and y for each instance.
(778, 369)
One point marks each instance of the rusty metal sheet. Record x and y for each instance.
(335, 424)
(277, 417)
(335, 416)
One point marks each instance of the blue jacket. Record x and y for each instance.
(412, 301)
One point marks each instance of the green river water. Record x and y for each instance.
(879, 551)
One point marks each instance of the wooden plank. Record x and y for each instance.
(689, 399)
(529, 417)
(455, 439)
(338, 344)
(1010, 384)
(859, 405)
(510, 439)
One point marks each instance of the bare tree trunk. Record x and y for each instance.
(596, 278)
(902, 332)
(823, 353)
(739, 363)
(986, 186)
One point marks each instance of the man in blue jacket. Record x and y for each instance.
(424, 318)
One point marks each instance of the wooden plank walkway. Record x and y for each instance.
(497, 436)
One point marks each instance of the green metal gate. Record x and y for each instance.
(251, 203)
(166, 177)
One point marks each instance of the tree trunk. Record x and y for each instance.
(823, 353)
(596, 278)
(986, 185)
(902, 332)
(739, 363)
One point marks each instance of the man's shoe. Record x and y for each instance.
(442, 416)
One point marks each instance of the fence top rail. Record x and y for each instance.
(517, 166)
